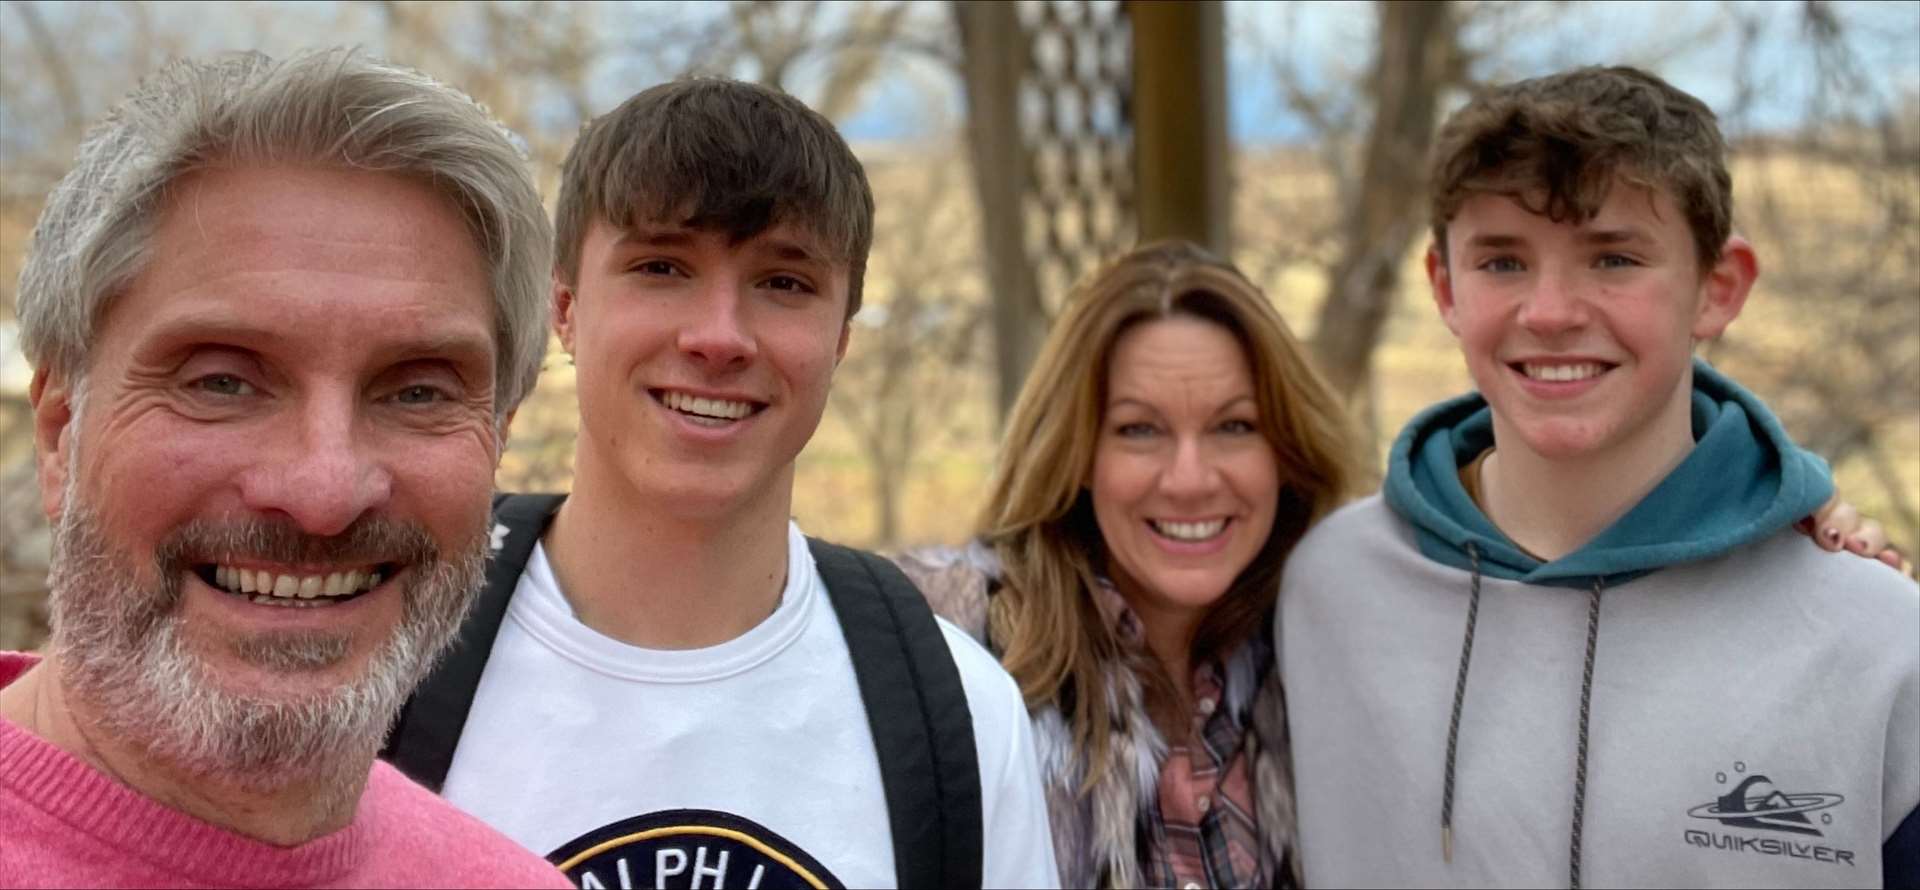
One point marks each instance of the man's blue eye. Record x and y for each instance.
(417, 395)
(224, 384)
(1501, 264)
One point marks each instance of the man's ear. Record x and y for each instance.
(1724, 289)
(846, 334)
(1441, 278)
(51, 396)
(563, 304)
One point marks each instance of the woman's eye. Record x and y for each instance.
(1239, 426)
(224, 385)
(1135, 430)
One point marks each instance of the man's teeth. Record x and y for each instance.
(1190, 531)
(288, 589)
(1562, 373)
(720, 408)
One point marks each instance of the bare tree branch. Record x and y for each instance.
(54, 62)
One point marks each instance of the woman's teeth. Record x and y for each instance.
(1189, 531)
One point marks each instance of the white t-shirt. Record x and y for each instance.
(746, 764)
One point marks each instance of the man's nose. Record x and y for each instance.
(318, 469)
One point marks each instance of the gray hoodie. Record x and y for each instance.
(1698, 698)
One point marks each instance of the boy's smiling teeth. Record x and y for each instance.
(1188, 531)
(1561, 373)
(719, 409)
(271, 588)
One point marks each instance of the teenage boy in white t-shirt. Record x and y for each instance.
(672, 694)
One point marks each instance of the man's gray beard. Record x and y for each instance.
(121, 651)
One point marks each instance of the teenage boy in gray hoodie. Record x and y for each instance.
(1669, 688)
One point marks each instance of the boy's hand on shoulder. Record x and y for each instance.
(1838, 526)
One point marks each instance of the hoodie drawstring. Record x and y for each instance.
(1460, 698)
(1586, 702)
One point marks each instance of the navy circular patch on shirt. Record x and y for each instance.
(689, 848)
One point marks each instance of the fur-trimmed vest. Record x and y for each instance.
(1096, 836)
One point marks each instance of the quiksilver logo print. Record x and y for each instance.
(1754, 802)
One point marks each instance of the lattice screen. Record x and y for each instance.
(1077, 126)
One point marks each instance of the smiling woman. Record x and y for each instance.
(1170, 447)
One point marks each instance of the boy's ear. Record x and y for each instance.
(563, 313)
(1440, 277)
(51, 396)
(846, 334)
(1724, 289)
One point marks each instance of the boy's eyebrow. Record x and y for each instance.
(653, 237)
(1623, 235)
(796, 251)
(1495, 240)
(786, 249)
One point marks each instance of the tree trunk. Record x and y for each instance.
(1416, 49)
(995, 52)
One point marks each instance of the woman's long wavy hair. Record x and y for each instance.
(1039, 516)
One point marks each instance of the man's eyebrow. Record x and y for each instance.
(449, 338)
(462, 343)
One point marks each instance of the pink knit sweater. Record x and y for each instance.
(64, 824)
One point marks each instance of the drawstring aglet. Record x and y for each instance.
(1446, 843)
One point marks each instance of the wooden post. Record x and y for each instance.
(1180, 121)
(995, 60)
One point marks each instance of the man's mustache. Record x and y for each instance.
(370, 540)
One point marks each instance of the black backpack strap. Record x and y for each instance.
(422, 742)
(918, 712)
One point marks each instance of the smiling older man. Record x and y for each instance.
(278, 315)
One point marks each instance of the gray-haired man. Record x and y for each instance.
(278, 314)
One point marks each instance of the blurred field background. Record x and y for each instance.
(1821, 100)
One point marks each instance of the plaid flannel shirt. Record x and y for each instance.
(1203, 833)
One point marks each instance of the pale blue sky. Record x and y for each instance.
(1691, 43)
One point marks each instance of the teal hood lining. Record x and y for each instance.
(1743, 481)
